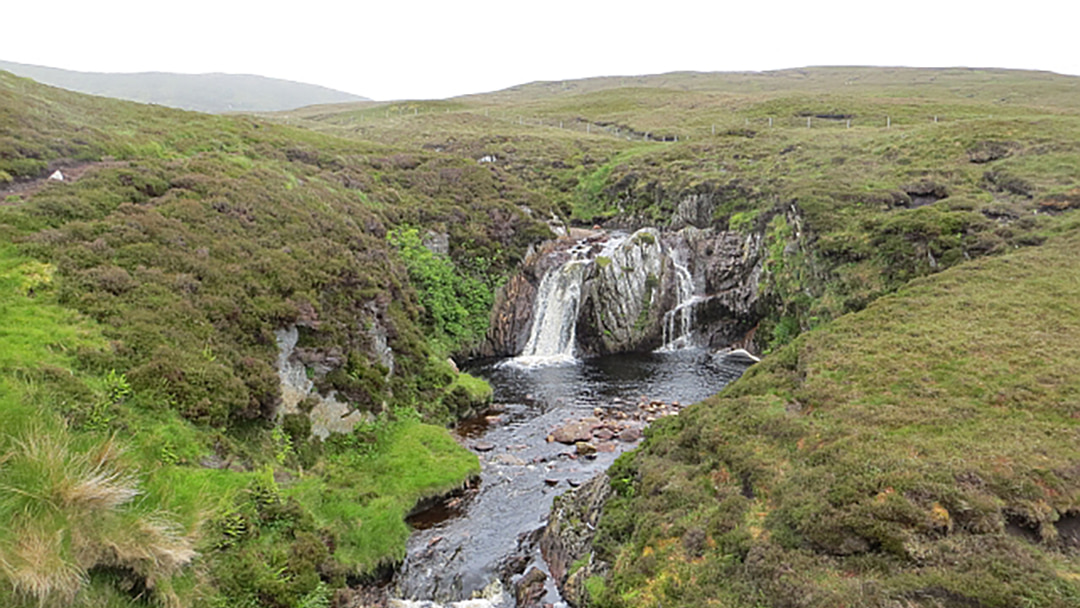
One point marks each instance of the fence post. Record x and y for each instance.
(935, 118)
(714, 129)
(849, 123)
(888, 122)
(770, 122)
(588, 127)
(807, 122)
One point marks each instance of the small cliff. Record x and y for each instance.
(641, 291)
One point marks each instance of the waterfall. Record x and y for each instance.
(551, 339)
(558, 301)
(679, 321)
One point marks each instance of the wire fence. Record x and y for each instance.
(366, 120)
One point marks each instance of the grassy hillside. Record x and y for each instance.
(184, 243)
(920, 452)
(901, 173)
(200, 92)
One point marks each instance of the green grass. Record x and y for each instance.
(149, 319)
(364, 499)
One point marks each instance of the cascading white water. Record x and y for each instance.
(555, 312)
(679, 321)
(551, 339)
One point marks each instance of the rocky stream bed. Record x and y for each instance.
(553, 428)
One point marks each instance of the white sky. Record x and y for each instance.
(400, 49)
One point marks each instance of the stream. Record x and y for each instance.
(464, 544)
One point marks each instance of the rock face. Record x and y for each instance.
(729, 266)
(530, 589)
(511, 317)
(694, 210)
(620, 308)
(567, 539)
(640, 292)
(328, 414)
(512, 312)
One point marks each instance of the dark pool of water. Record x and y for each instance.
(462, 543)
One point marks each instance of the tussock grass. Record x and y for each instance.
(71, 508)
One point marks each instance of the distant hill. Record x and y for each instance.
(988, 85)
(214, 93)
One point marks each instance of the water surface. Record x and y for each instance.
(467, 542)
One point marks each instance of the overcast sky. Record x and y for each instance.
(421, 49)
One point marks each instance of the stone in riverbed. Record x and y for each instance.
(573, 432)
(584, 448)
(630, 435)
(509, 459)
(603, 434)
(483, 446)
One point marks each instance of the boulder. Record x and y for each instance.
(573, 432)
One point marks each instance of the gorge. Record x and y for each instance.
(624, 293)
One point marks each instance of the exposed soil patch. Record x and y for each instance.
(989, 151)
(925, 193)
(999, 181)
(1058, 203)
(71, 170)
(1020, 527)
(1068, 529)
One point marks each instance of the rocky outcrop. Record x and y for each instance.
(327, 414)
(511, 317)
(641, 291)
(529, 590)
(566, 542)
(512, 313)
(620, 307)
(729, 267)
(694, 210)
